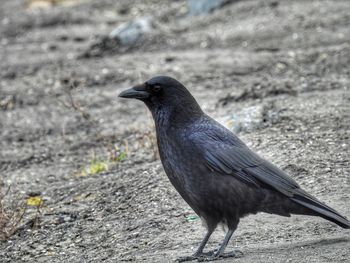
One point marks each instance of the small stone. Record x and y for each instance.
(203, 7)
(131, 32)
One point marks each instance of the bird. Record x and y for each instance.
(214, 171)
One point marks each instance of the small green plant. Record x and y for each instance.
(121, 157)
(96, 166)
(116, 154)
(37, 202)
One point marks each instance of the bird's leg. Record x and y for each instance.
(199, 253)
(224, 243)
(220, 251)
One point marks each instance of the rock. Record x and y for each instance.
(202, 7)
(125, 37)
(251, 118)
(247, 119)
(131, 32)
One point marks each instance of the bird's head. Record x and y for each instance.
(164, 94)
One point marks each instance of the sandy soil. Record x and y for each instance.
(292, 57)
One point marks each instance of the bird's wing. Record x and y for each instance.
(239, 161)
(249, 167)
(225, 154)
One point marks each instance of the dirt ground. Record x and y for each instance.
(289, 57)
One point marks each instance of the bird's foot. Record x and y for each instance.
(214, 255)
(185, 259)
(195, 256)
(210, 256)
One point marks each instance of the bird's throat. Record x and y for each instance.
(175, 116)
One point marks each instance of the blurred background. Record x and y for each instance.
(80, 176)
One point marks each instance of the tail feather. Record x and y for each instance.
(320, 209)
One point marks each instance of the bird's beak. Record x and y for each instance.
(137, 92)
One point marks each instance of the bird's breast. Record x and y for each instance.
(177, 159)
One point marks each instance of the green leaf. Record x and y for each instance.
(192, 218)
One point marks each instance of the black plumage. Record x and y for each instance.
(213, 170)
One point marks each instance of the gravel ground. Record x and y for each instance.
(281, 68)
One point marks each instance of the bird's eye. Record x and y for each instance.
(156, 88)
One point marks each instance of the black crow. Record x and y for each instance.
(214, 171)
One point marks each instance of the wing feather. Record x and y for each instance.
(242, 163)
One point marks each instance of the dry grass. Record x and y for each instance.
(12, 211)
(146, 137)
(148, 140)
(68, 100)
(13, 208)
